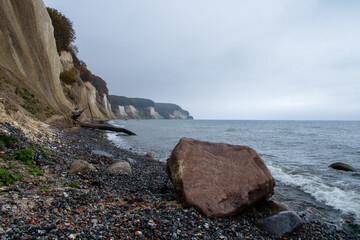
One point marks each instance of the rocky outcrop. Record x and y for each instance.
(218, 179)
(138, 108)
(29, 58)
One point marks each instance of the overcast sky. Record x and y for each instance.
(226, 59)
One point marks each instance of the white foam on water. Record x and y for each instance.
(347, 202)
(119, 142)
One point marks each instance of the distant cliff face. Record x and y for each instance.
(29, 58)
(136, 108)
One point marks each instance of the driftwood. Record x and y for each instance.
(105, 127)
(76, 114)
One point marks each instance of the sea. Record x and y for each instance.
(298, 154)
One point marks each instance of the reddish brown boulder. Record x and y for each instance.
(218, 179)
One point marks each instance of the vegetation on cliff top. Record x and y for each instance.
(63, 30)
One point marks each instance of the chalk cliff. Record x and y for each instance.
(30, 68)
(29, 58)
(135, 108)
(83, 94)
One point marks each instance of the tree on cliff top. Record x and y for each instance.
(63, 30)
(64, 36)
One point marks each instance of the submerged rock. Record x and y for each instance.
(280, 224)
(218, 179)
(342, 166)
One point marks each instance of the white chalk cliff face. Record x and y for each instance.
(66, 60)
(85, 93)
(107, 107)
(177, 115)
(132, 112)
(28, 50)
(121, 113)
(153, 114)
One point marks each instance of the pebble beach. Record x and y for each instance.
(101, 204)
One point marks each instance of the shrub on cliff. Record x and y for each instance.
(85, 73)
(68, 77)
(100, 85)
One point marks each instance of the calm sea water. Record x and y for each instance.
(297, 153)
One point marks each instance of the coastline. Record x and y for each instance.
(105, 204)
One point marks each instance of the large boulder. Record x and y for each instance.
(218, 179)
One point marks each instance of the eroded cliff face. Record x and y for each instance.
(29, 58)
(83, 94)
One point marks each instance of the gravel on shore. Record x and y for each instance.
(105, 205)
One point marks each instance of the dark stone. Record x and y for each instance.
(280, 224)
(342, 166)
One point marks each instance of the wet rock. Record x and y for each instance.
(280, 224)
(342, 166)
(120, 167)
(218, 179)
(79, 166)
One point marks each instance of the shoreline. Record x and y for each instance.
(105, 204)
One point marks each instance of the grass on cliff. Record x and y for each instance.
(32, 105)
